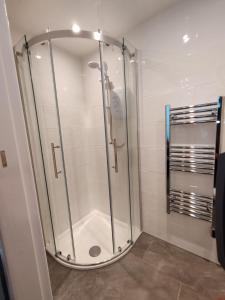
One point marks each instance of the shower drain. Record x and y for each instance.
(94, 251)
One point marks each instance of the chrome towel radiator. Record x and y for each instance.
(193, 158)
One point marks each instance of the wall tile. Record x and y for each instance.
(176, 73)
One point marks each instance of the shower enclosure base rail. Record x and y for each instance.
(93, 266)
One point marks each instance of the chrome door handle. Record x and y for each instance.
(3, 159)
(53, 147)
(115, 156)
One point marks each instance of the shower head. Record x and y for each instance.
(93, 64)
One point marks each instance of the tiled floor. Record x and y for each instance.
(153, 270)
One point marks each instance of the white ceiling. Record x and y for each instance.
(115, 17)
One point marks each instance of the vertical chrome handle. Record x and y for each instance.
(115, 156)
(54, 160)
(3, 159)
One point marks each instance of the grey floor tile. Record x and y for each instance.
(211, 282)
(153, 269)
(142, 245)
(205, 278)
(58, 273)
(159, 285)
(187, 293)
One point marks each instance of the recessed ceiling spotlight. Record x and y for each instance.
(76, 28)
(185, 38)
(38, 56)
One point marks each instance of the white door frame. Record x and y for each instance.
(20, 226)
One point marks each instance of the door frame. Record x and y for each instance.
(20, 225)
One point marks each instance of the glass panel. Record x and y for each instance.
(118, 149)
(46, 109)
(35, 145)
(79, 93)
(131, 65)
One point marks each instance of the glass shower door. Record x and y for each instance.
(44, 109)
(79, 94)
(82, 128)
(115, 96)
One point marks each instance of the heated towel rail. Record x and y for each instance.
(192, 158)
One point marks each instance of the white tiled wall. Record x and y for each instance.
(96, 180)
(176, 73)
(98, 177)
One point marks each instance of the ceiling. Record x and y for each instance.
(115, 17)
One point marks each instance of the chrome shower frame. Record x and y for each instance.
(57, 34)
(102, 39)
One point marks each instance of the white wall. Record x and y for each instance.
(98, 181)
(97, 178)
(20, 228)
(176, 73)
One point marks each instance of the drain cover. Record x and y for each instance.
(95, 251)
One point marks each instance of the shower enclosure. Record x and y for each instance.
(79, 94)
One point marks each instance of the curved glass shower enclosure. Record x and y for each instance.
(80, 107)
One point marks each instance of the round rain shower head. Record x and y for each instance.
(93, 64)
